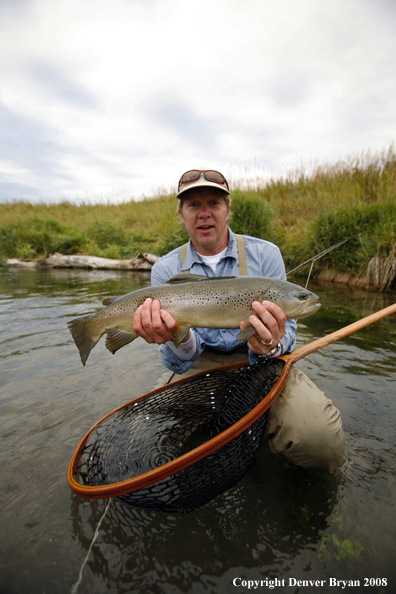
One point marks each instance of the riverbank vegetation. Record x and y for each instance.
(303, 213)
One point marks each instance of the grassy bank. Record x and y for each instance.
(303, 214)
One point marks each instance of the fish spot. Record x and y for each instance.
(270, 295)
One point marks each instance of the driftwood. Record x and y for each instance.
(143, 261)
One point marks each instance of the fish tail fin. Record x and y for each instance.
(78, 330)
(116, 339)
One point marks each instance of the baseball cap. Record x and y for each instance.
(198, 178)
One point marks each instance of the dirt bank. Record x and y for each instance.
(380, 275)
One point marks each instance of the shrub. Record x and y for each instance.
(106, 234)
(177, 236)
(371, 228)
(28, 239)
(251, 215)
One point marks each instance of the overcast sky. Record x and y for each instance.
(109, 100)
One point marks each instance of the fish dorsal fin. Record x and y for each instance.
(190, 278)
(108, 300)
(187, 278)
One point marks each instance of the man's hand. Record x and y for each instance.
(152, 323)
(270, 328)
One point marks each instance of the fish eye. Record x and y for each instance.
(302, 296)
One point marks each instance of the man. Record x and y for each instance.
(315, 436)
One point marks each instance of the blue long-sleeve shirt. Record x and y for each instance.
(262, 259)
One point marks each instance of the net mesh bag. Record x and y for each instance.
(161, 427)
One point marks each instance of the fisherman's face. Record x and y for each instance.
(205, 214)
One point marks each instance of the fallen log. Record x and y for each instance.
(142, 261)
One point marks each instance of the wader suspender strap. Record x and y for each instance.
(183, 257)
(241, 253)
(242, 256)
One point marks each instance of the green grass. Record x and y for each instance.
(304, 214)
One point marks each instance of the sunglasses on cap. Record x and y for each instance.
(211, 176)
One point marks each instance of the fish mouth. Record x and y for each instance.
(309, 310)
(314, 306)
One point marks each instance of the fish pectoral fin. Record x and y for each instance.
(108, 300)
(116, 339)
(179, 334)
(247, 333)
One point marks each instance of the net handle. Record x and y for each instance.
(148, 478)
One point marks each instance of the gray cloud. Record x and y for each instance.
(17, 9)
(51, 81)
(298, 82)
(16, 191)
(290, 91)
(179, 117)
(28, 143)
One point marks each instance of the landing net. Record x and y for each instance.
(176, 448)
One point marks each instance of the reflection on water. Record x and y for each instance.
(258, 525)
(279, 521)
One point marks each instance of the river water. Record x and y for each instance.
(279, 523)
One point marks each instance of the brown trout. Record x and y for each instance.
(193, 301)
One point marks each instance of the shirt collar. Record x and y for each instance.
(192, 256)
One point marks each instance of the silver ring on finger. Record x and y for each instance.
(268, 343)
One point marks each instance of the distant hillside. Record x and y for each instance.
(303, 214)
